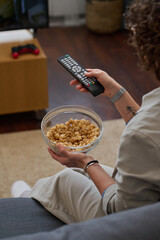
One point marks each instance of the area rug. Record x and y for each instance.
(24, 155)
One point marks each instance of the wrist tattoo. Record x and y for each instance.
(131, 110)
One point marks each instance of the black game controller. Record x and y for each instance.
(28, 48)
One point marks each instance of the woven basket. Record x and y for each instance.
(104, 17)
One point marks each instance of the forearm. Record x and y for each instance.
(100, 178)
(126, 105)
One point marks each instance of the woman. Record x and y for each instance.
(86, 190)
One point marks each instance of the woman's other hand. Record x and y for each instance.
(70, 159)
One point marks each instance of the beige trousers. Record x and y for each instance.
(70, 195)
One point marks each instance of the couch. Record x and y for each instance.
(26, 219)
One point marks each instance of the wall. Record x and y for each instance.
(70, 11)
(66, 7)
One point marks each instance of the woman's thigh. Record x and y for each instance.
(70, 195)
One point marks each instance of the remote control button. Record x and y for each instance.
(78, 75)
(68, 66)
(76, 69)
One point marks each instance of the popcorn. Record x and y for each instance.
(74, 133)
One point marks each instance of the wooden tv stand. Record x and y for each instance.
(23, 81)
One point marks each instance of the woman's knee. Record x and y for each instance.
(65, 173)
(64, 177)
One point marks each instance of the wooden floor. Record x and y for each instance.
(108, 52)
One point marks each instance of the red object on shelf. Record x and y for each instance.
(21, 49)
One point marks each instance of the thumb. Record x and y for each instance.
(62, 150)
(89, 74)
(92, 72)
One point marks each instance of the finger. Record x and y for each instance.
(53, 154)
(81, 88)
(62, 153)
(89, 69)
(84, 90)
(89, 74)
(73, 82)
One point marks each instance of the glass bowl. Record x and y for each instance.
(63, 114)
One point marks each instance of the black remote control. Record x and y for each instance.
(91, 84)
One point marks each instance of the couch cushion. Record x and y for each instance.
(24, 216)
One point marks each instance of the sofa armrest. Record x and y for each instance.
(136, 224)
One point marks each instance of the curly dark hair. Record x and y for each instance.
(143, 19)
